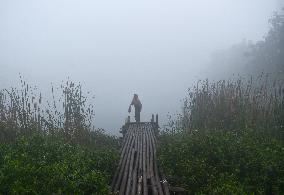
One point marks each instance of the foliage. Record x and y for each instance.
(51, 147)
(228, 138)
(47, 165)
(24, 112)
(223, 162)
(246, 57)
(268, 55)
(99, 139)
(257, 103)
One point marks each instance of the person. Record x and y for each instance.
(138, 107)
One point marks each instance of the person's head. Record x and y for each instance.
(135, 96)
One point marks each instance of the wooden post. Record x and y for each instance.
(128, 119)
(152, 119)
(157, 119)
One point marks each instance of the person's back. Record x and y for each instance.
(138, 107)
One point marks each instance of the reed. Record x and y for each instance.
(236, 104)
(23, 112)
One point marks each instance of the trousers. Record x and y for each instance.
(137, 115)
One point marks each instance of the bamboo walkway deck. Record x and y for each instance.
(138, 172)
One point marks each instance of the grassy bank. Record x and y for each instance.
(228, 138)
(50, 146)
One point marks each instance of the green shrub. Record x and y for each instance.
(219, 162)
(46, 165)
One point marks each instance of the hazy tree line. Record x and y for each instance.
(250, 58)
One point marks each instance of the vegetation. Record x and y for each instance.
(218, 162)
(52, 147)
(253, 58)
(47, 165)
(228, 139)
(235, 104)
(267, 55)
(23, 112)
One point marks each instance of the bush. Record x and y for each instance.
(219, 162)
(47, 165)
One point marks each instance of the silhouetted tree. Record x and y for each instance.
(250, 58)
(268, 55)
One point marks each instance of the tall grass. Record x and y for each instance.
(23, 112)
(255, 103)
(228, 138)
(53, 138)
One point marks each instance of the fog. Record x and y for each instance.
(155, 48)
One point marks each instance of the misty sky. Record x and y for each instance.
(156, 48)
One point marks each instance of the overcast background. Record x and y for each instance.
(156, 48)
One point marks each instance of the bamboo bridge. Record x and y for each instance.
(137, 171)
